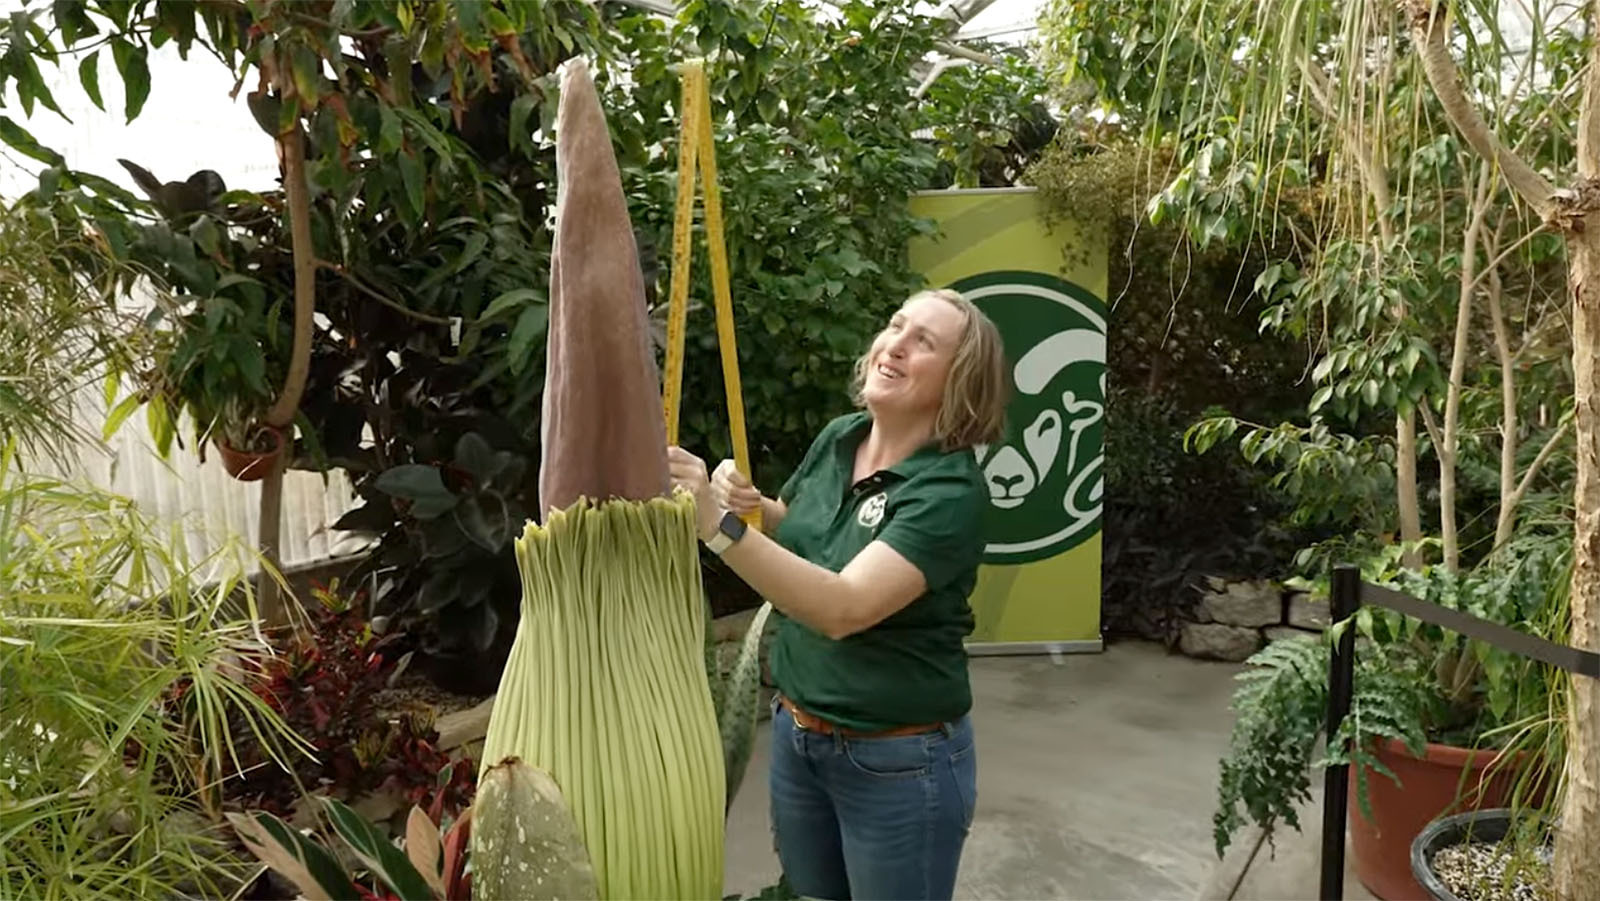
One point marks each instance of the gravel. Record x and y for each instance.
(1477, 872)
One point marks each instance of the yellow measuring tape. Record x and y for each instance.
(697, 150)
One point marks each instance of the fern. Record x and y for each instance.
(1282, 703)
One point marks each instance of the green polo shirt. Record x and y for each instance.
(911, 668)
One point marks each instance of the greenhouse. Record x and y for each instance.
(758, 449)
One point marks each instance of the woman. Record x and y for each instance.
(874, 548)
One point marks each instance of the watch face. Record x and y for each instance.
(733, 526)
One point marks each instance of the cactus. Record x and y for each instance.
(526, 844)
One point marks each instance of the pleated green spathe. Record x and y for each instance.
(606, 690)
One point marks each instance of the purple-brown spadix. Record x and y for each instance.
(603, 433)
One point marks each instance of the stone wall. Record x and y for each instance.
(1235, 619)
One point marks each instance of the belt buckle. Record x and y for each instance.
(794, 712)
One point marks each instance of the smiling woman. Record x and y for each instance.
(868, 555)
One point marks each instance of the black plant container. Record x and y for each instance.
(1481, 826)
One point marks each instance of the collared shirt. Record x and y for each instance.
(911, 668)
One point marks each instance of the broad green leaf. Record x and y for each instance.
(72, 17)
(134, 65)
(498, 24)
(1320, 398)
(307, 71)
(510, 300)
(309, 866)
(23, 142)
(1324, 367)
(528, 329)
(390, 134)
(736, 718)
(767, 106)
(488, 528)
(411, 174)
(1412, 357)
(412, 481)
(375, 849)
(521, 109)
(205, 235)
(251, 364)
(159, 420)
(118, 415)
(49, 183)
(476, 456)
(89, 77)
(113, 385)
(427, 132)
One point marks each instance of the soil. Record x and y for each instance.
(414, 690)
(1478, 872)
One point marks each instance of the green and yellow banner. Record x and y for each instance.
(1039, 588)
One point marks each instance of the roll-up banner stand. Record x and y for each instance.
(1044, 286)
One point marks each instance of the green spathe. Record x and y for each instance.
(606, 690)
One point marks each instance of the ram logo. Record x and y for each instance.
(1044, 479)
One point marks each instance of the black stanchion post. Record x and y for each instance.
(1344, 599)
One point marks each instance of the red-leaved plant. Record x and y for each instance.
(324, 682)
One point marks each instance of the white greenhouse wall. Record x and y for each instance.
(214, 509)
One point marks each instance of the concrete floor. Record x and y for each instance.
(1096, 779)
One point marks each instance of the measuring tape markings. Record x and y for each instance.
(697, 149)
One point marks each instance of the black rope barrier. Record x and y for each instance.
(1348, 592)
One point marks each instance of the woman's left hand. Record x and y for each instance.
(689, 473)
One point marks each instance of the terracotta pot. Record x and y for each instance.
(1429, 788)
(250, 467)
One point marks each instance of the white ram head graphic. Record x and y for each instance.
(1013, 473)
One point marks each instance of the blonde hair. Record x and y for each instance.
(977, 391)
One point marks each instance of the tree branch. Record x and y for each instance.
(1501, 258)
(1430, 29)
(1432, 425)
(1538, 462)
(389, 302)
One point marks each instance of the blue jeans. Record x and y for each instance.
(871, 818)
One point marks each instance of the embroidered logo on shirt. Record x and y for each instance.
(871, 512)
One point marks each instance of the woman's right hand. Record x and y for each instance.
(732, 491)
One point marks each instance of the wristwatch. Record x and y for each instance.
(729, 530)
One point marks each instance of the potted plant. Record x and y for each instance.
(1438, 725)
(249, 448)
(216, 360)
(1483, 854)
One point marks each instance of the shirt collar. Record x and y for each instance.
(851, 436)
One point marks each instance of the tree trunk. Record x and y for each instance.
(1450, 442)
(1406, 489)
(292, 146)
(1577, 863)
(1509, 499)
(1577, 859)
(269, 592)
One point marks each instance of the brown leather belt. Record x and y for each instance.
(813, 723)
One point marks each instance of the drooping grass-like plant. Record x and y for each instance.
(123, 698)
